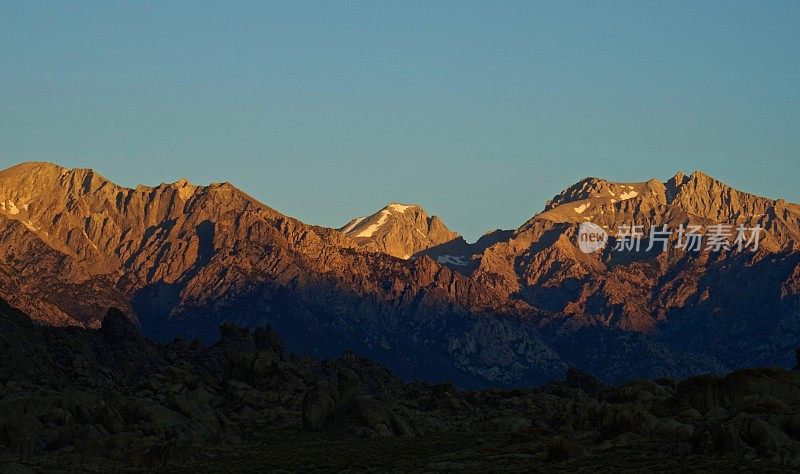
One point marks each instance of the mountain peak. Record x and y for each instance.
(38, 169)
(401, 230)
(402, 208)
(598, 188)
(34, 166)
(696, 198)
(697, 174)
(593, 187)
(185, 188)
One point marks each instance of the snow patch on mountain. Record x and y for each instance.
(369, 231)
(352, 225)
(582, 208)
(398, 207)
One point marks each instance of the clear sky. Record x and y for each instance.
(479, 111)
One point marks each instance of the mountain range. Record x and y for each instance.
(516, 307)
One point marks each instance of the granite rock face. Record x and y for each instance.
(516, 307)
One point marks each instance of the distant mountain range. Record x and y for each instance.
(517, 307)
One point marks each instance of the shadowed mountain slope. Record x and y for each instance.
(508, 309)
(74, 399)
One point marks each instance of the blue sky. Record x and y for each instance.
(479, 111)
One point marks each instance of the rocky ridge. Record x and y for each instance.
(516, 307)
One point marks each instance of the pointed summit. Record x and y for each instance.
(401, 230)
(185, 189)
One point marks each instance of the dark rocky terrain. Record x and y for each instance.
(83, 400)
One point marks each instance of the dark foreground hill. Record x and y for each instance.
(78, 400)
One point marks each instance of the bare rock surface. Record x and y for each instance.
(516, 307)
(400, 230)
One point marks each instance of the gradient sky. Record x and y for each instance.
(479, 111)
